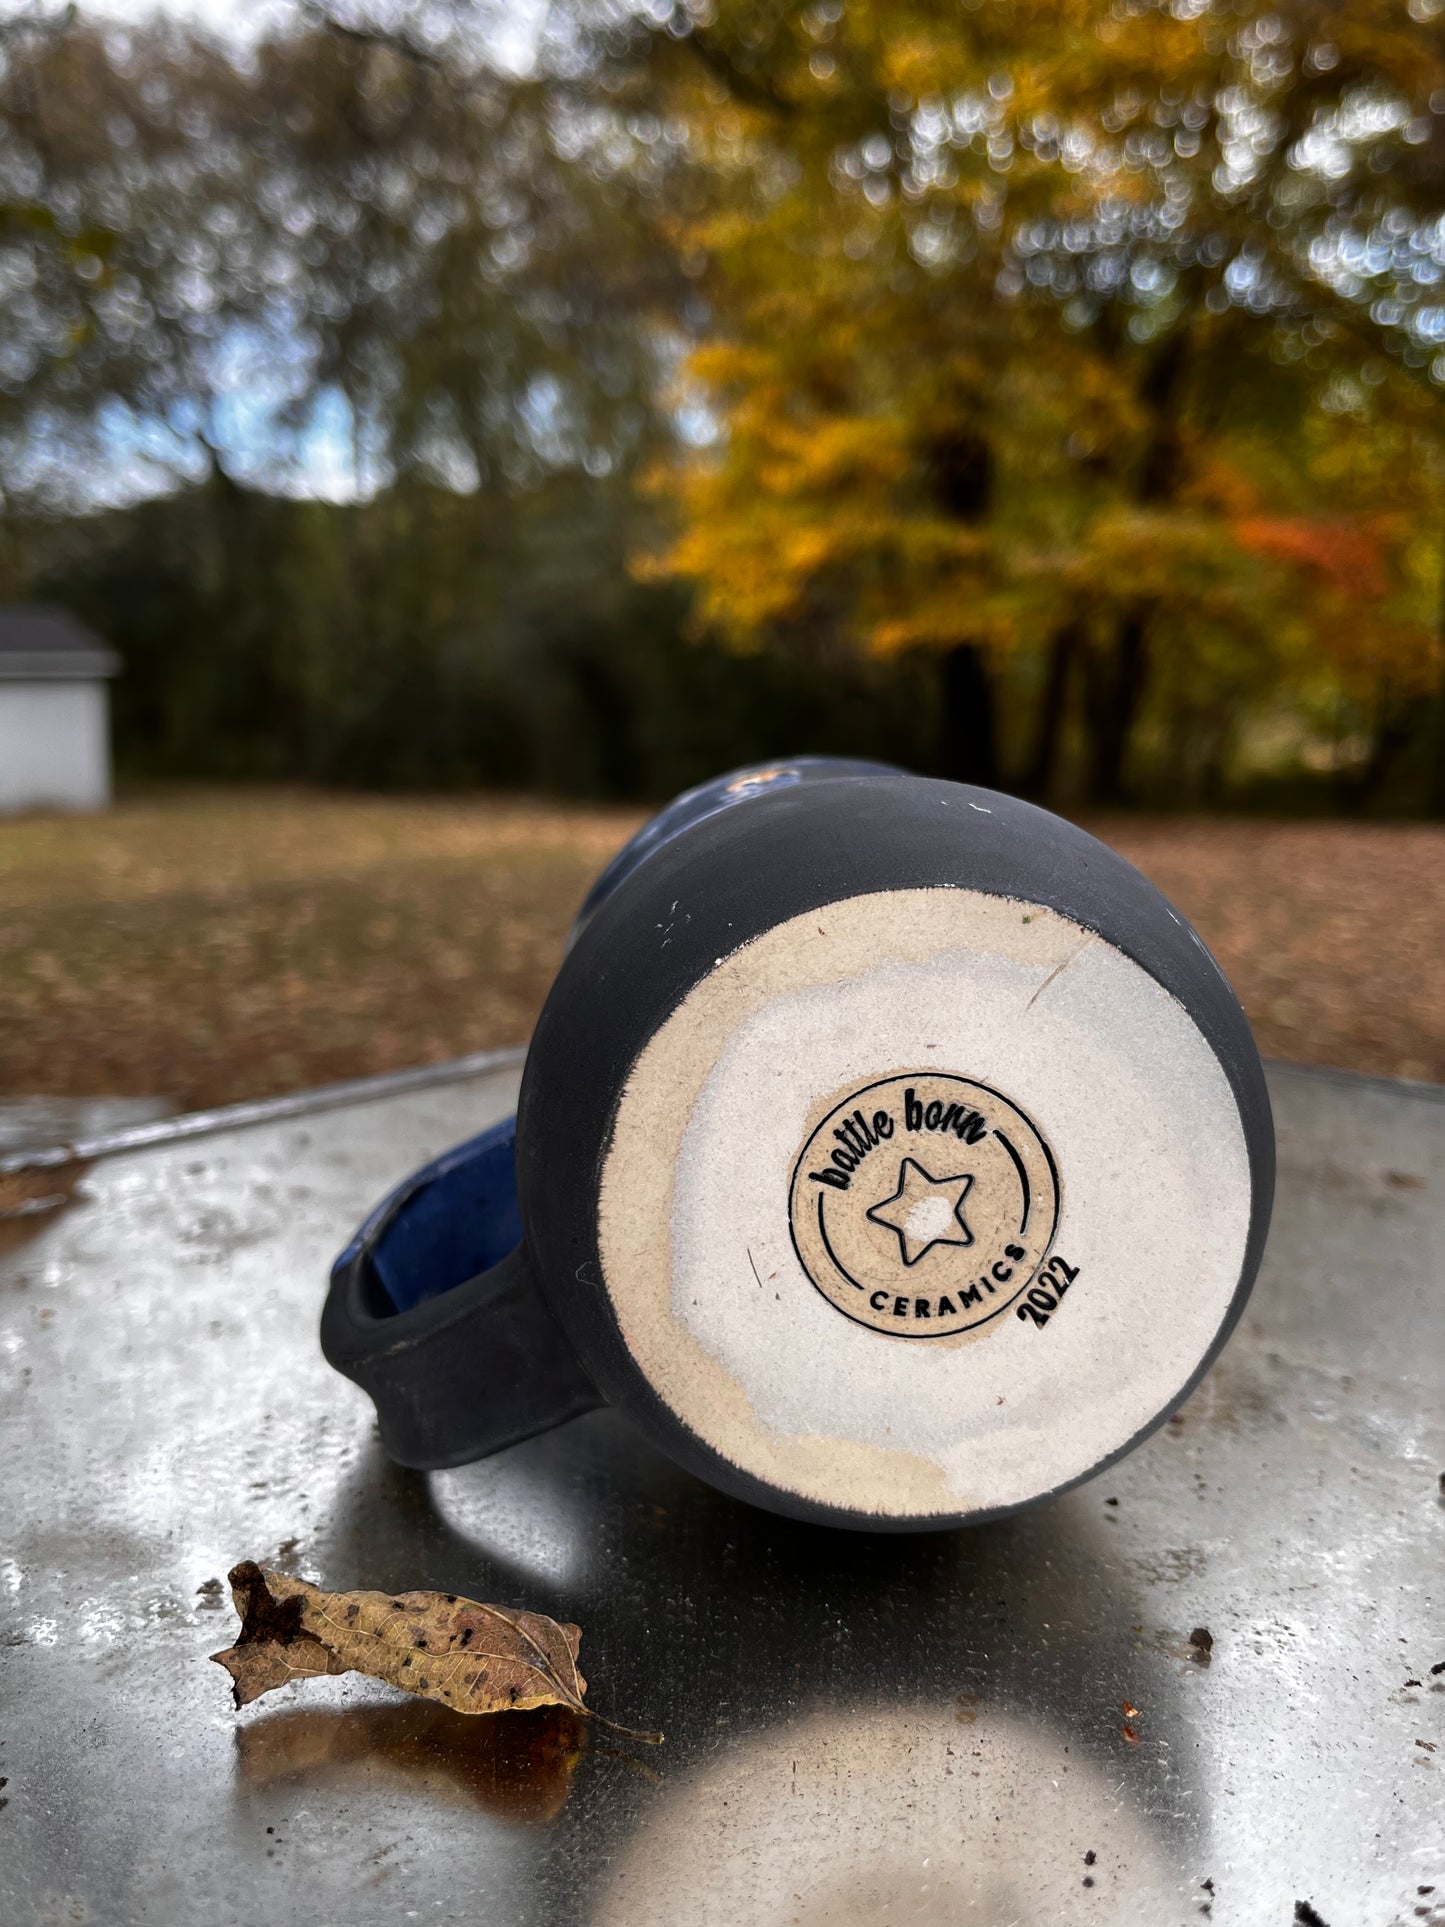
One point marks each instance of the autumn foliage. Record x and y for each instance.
(1041, 392)
(1091, 346)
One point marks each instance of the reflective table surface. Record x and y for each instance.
(1003, 1727)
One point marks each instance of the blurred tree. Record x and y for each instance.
(220, 253)
(1035, 391)
(999, 298)
(229, 276)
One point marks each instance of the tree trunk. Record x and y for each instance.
(1038, 775)
(966, 751)
(1220, 743)
(961, 467)
(1435, 794)
(1116, 686)
(609, 717)
(1435, 777)
(1391, 735)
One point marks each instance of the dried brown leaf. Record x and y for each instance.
(469, 1656)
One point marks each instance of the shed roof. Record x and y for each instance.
(41, 643)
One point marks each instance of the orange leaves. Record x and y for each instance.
(1354, 576)
(1347, 556)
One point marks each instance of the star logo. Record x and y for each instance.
(876, 1203)
(924, 1211)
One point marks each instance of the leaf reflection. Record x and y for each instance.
(515, 1766)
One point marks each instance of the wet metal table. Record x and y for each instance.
(1004, 1726)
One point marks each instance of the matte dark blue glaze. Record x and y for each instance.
(468, 1339)
(710, 799)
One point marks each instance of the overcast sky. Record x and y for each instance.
(232, 17)
(319, 460)
(513, 31)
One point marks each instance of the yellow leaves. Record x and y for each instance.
(913, 63)
(1176, 558)
(805, 550)
(724, 363)
(821, 456)
(1124, 467)
(900, 581)
(939, 622)
(740, 589)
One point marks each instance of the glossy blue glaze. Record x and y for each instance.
(455, 1217)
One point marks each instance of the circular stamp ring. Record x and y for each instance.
(922, 1205)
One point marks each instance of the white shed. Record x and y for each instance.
(54, 712)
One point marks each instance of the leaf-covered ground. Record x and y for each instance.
(206, 946)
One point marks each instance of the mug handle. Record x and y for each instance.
(435, 1313)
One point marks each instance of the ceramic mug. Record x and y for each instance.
(889, 1150)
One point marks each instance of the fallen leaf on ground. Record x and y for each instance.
(471, 1657)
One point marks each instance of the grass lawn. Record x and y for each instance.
(207, 945)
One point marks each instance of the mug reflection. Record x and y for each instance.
(924, 1815)
(884, 1729)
